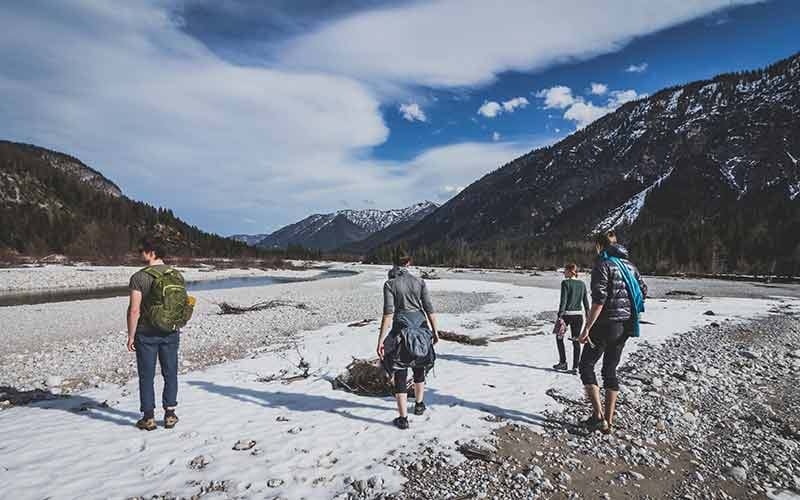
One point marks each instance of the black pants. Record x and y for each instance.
(575, 323)
(609, 340)
(401, 378)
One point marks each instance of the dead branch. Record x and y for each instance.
(463, 339)
(227, 308)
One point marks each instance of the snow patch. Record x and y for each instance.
(628, 212)
(672, 105)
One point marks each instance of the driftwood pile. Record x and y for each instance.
(430, 275)
(463, 339)
(227, 308)
(366, 377)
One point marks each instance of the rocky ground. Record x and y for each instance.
(711, 414)
(62, 348)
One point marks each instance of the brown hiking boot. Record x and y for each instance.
(170, 420)
(146, 424)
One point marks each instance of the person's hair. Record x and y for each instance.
(605, 238)
(152, 245)
(572, 268)
(402, 257)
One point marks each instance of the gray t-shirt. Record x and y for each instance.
(406, 292)
(143, 282)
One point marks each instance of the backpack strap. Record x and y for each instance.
(157, 274)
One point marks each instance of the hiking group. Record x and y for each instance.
(160, 306)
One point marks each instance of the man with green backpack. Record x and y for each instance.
(159, 306)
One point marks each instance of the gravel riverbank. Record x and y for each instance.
(68, 346)
(711, 414)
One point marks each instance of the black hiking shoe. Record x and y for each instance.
(419, 408)
(401, 422)
(170, 419)
(574, 371)
(560, 366)
(146, 424)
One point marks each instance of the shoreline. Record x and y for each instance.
(55, 277)
(75, 293)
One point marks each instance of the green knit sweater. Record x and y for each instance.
(573, 296)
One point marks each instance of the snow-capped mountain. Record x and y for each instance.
(337, 229)
(689, 168)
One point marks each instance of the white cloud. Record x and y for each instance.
(131, 95)
(490, 109)
(496, 136)
(584, 113)
(599, 88)
(385, 45)
(579, 110)
(412, 112)
(513, 104)
(558, 97)
(127, 92)
(453, 189)
(619, 97)
(636, 68)
(120, 86)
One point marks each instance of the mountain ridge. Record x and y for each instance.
(340, 229)
(742, 125)
(51, 202)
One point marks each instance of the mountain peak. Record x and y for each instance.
(334, 230)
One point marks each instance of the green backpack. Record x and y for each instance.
(167, 307)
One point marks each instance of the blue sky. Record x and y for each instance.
(267, 111)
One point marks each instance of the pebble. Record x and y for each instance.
(749, 354)
(244, 444)
(738, 473)
(636, 476)
(199, 462)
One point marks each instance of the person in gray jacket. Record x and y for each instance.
(608, 327)
(406, 303)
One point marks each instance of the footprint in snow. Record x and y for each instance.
(158, 467)
(189, 435)
(137, 445)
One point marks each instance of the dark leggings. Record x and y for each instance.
(401, 378)
(609, 340)
(575, 323)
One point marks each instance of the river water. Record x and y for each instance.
(68, 295)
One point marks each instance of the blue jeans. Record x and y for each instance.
(163, 348)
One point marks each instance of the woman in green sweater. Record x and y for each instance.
(571, 310)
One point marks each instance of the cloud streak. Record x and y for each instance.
(636, 68)
(534, 35)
